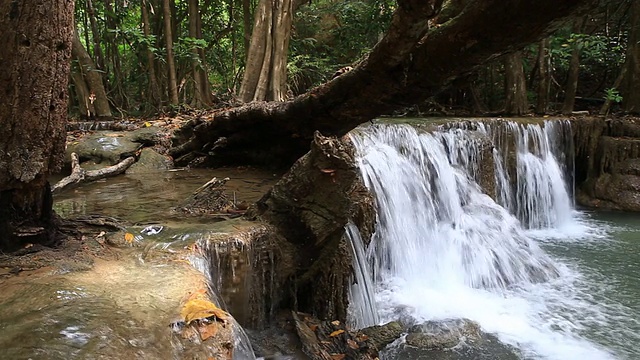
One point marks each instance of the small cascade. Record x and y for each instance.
(362, 307)
(533, 170)
(443, 248)
(210, 264)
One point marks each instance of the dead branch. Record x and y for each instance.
(79, 175)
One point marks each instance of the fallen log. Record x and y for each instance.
(79, 175)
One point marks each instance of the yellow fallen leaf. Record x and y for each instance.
(128, 237)
(336, 322)
(336, 333)
(196, 309)
(147, 124)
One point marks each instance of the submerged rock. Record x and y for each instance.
(150, 161)
(452, 339)
(443, 334)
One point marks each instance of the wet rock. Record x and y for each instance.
(103, 147)
(452, 339)
(112, 146)
(147, 136)
(379, 336)
(150, 161)
(443, 334)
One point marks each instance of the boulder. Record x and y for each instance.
(150, 161)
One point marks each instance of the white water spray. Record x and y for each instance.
(443, 249)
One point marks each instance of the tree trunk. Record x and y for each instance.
(97, 44)
(631, 83)
(201, 92)
(246, 21)
(265, 76)
(515, 85)
(154, 97)
(82, 93)
(168, 33)
(401, 70)
(544, 78)
(33, 78)
(574, 71)
(97, 96)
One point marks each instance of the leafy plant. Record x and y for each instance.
(613, 95)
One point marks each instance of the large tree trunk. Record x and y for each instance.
(265, 76)
(97, 95)
(405, 67)
(574, 71)
(515, 85)
(631, 82)
(36, 39)
(171, 65)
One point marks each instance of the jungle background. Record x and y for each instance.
(139, 59)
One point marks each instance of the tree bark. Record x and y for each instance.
(93, 79)
(407, 66)
(95, 33)
(631, 83)
(171, 65)
(246, 22)
(574, 71)
(515, 84)
(154, 97)
(544, 78)
(265, 76)
(201, 92)
(36, 39)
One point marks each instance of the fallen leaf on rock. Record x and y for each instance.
(336, 333)
(338, 356)
(196, 309)
(128, 237)
(352, 344)
(336, 322)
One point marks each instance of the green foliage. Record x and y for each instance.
(331, 34)
(613, 95)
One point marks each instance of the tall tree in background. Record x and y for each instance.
(153, 96)
(515, 84)
(201, 88)
(544, 78)
(90, 91)
(265, 76)
(574, 70)
(36, 40)
(631, 80)
(171, 63)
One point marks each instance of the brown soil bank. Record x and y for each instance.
(608, 162)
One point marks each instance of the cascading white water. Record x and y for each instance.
(363, 311)
(540, 198)
(443, 249)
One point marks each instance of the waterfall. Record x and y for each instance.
(362, 308)
(443, 248)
